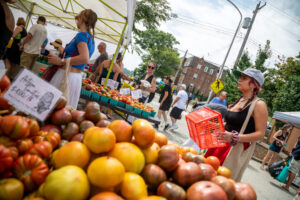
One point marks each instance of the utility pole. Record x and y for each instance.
(258, 7)
(219, 75)
(180, 66)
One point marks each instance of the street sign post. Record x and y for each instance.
(217, 86)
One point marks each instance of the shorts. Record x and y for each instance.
(27, 60)
(274, 148)
(294, 166)
(165, 106)
(176, 113)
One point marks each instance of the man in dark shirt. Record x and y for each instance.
(294, 166)
(103, 56)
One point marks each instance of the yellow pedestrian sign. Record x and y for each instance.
(216, 86)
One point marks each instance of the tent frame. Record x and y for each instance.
(69, 3)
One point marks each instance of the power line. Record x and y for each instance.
(293, 18)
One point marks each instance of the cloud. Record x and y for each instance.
(206, 28)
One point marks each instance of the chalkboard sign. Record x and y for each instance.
(32, 95)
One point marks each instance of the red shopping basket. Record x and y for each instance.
(204, 125)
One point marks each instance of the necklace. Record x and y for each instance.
(243, 99)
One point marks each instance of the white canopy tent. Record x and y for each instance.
(115, 17)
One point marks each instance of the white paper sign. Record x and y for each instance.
(111, 83)
(125, 91)
(32, 95)
(2, 68)
(116, 85)
(136, 94)
(102, 81)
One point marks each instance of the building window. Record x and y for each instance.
(207, 80)
(205, 69)
(199, 66)
(203, 91)
(202, 78)
(211, 71)
(195, 75)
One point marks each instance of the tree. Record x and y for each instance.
(150, 13)
(158, 46)
(152, 39)
(287, 85)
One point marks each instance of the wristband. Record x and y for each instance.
(235, 137)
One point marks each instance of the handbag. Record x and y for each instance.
(64, 85)
(238, 159)
(49, 72)
(282, 176)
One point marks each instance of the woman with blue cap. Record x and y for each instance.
(246, 122)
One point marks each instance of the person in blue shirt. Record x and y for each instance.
(220, 100)
(80, 49)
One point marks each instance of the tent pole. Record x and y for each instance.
(124, 53)
(28, 18)
(116, 52)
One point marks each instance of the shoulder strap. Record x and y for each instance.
(250, 111)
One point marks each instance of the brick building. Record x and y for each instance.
(198, 73)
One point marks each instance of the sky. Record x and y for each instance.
(206, 27)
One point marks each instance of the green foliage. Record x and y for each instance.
(150, 13)
(288, 96)
(152, 44)
(158, 46)
(154, 39)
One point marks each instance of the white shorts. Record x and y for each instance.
(294, 166)
(75, 80)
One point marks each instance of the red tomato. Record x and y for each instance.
(6, 159)
(31, 170)
(42, 149)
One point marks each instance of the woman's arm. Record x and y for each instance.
(164, 98)
(82, 58)
(17, 30)
(260, 115)
(276, 134)
(153, 85)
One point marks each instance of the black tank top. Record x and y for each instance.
(235, 120)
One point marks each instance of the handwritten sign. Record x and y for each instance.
(116, 85)
(125, 91)
(136, 94)
(102, 81)
(2, 68)
(32, 95)
(111, 83)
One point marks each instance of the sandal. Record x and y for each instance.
(283, 186)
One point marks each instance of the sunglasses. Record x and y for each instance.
(151, 67)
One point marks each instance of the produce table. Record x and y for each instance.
(127, 113)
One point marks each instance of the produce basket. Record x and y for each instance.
(113, 102)
(85, 92)
(129, 107)
(145, 114)
(204, 125)
(105, 99)
(137, 111)
(121, 104)
(152, 114)
(95, 96)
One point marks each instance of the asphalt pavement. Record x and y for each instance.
(265, 186)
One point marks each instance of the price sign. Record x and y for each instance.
(102, 81)
(136, 94)
(111, 83)
(2, 68)
(32, 95)
(125, 91)
(116, 84)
